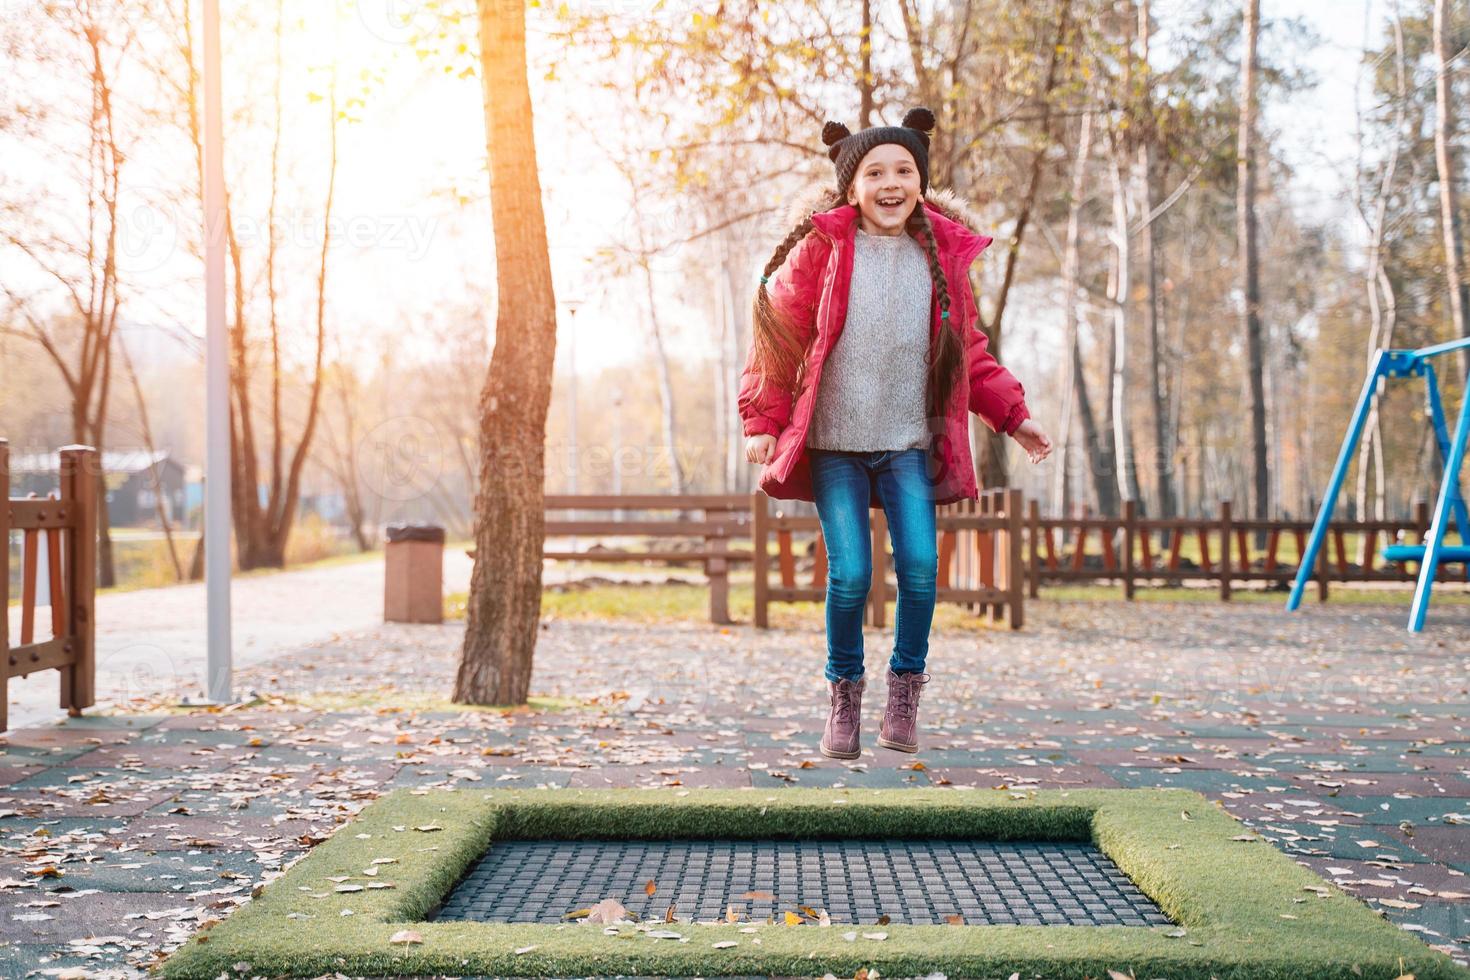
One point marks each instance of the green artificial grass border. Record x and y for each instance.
(1243, 908)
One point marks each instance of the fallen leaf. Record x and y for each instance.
(726, 944)
(792, 919)
(607, 911)
(525, 949)
(955, 920)
(879, 936)
(650, 888)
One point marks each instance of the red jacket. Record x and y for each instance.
(810, 290)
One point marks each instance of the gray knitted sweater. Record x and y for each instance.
(871, 393)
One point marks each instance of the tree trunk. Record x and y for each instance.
(865, 58)
(989, 448)
(159, 498)
(1120, 289)
(1382, 304)
(504, 606)
(1250, 285)
(1148, 246)
(1071, 380)
(665, 382)
(1456, 283)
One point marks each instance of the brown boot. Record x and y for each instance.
(900, 728)
(844, 719)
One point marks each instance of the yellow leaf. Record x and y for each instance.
(792, 919)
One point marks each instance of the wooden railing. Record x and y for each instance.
(979, 558)
(1133, 550)
(69, 523)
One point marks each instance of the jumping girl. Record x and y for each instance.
(864, 365)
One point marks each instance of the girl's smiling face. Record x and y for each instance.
(885, 189)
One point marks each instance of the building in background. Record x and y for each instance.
(134, 479)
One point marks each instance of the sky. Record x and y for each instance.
(410, 251)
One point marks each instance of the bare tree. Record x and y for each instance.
(83, 261)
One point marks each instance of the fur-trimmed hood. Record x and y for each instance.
(824, 197)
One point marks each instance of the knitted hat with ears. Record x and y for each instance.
(847, 148)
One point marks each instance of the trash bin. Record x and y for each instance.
(413, 586)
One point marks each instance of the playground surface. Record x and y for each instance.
(1331, 732)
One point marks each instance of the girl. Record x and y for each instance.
(864, 365)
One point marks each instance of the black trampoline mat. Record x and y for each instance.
(919, 882)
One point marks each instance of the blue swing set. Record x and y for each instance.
(1433, 552)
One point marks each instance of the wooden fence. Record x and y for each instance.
(69, 523)
(993, 551)
(979, 558)
(1134, 550)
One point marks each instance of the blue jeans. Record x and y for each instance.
(842, 483)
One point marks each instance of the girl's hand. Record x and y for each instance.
(760, 449)
(1033, 440)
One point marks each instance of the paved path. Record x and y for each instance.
(153, 639)
(1335, 734)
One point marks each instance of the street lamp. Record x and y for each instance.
(216, 378)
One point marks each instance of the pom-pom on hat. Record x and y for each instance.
(847, 148)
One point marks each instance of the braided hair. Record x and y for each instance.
(782, 362)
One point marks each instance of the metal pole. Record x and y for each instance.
(216, 375)
(1449, 492)
(1339, 474)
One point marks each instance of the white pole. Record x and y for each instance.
(216, 375)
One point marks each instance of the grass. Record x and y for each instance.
(690, 603)
(1243, 909)
(667, 602)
